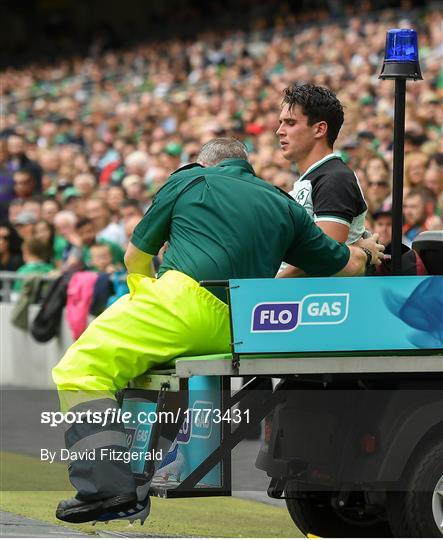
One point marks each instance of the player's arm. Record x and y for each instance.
(138, 262)
(337, 231)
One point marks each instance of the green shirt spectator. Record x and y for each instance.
(117, 252)
(33, 254)
(60, 244)
(87, 233)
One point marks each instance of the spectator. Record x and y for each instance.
(6, 183)
(101, 261)
(67, 243)
(72, 202)
(49, 209)
(133, 186)
(85, 230)
(172, 156)
(378, 184)
(50, 163)
(383, 226)
(24, 224)
(15, 208)
(98, 212)
(18, 159)
(34, 252)
(85, 184)
(415, 168)
(33, 205)
(115, 197)
(418, 208)
(101, 258)
(10, 248)
(385, 136)
(414, 141)
(137, 163)
(130, 208)
(433, 180)
(45, 233)
(25, 183)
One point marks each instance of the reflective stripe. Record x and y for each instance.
(71, 399)
(98, 404)
(77, 432)
(98, 440)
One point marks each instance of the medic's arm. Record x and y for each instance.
(138, 262)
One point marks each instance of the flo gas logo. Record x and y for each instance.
(312, 309)
(272, 316)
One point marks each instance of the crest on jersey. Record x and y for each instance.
(302, 196)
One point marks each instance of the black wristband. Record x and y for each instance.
(368, 256)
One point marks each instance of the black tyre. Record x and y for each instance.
(417, 512)
(315, 514)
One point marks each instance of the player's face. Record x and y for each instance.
(296, 136)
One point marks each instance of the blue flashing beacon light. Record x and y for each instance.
(401, 55)
(400, 63)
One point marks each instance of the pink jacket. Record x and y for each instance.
(80, 293)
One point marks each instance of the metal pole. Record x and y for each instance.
(398, 165)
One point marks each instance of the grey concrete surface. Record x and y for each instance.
(13, 526)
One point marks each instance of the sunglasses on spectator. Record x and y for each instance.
(379, 183)
(5, 236)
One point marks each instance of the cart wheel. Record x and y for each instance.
(418, 511)
(315, 514)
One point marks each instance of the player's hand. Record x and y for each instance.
(374, 247)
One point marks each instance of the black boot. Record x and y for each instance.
(77, 511)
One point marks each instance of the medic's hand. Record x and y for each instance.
(374, 247)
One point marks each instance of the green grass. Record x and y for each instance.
(212, 516)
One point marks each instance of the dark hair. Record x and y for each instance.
(318, 104)
(426, 194)
(14, 240)
(131, 203)
(82, 222)
(26, 169)
(436, 158)
(47, 198)
(49, 256)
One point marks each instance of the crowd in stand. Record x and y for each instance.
(86, 143)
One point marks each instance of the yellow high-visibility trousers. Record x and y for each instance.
(159, 320)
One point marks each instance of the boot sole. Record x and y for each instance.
(93, 510)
